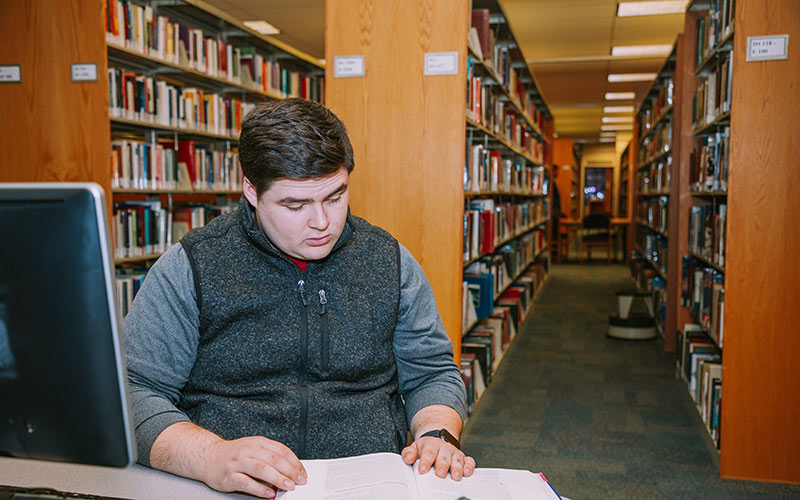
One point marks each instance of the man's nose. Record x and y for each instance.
(319, 217)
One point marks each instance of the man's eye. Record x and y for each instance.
(295, 208)
(335, 200)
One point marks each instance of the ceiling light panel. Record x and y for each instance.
(654, 8)
(617, 119)
(641, 50)
(620, 96)
(631, 77)
(617, 109)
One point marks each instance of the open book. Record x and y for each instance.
(385, 476)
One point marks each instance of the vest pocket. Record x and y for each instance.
(325, 347)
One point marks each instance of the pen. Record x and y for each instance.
(550, 485)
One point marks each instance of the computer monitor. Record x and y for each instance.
(63, 391)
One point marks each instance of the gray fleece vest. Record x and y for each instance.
(304, 359)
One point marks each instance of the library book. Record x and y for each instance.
(386, 476)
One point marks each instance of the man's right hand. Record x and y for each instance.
(254, 465)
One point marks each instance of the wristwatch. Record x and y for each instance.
(444, 436)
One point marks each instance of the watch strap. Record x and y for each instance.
(444, 435)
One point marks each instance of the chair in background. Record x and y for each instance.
(559, 243)
(595, 232)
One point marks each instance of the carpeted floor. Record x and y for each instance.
(601, 418)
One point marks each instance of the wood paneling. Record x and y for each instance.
(683, 144)
(407, 129)
(562, 155)
(761, 407)
(54, 129)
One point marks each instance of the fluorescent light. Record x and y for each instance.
(262, 27)
(608, 134)
(618, 109)
(620, 96)
(617, 119)
(627, 9)
(631, 77)
(607, 139)
(641, 50)
(624, 126)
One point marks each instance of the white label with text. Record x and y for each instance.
(767, 48)
(84, 72)
(441, 63)
(348, 66)
(10, 73)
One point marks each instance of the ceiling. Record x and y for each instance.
(567, 43)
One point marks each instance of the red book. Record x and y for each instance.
(480, 21)
(186, 156)
(487, 245)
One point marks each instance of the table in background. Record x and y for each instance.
(573, 226)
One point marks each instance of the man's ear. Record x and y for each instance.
(250, 191)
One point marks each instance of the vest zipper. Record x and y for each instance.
(301, 291)
(322, 301)
(326, 339)
(301, 441)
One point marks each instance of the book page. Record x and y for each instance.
(381, 476)
(485, 484)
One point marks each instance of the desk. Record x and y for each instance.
(136, 482)
(573, 225)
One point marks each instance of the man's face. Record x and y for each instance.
(304, 218)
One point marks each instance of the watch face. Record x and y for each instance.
(446, 436)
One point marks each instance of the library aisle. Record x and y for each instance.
(602, 418)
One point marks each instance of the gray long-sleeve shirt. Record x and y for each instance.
(161, 334)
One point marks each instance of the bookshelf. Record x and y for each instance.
(747, 252)
(180, 75)
(435, 152)
(704, 113)
(623, 196)
(653, 219)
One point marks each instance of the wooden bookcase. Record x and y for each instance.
(761, 439)
(65, 130)
(409, 130)
(759, 435)
(652, 212)
(622, 209)
(218, 67)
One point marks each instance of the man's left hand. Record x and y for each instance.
(441, 455)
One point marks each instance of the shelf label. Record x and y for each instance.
(348, 66)
(10, 73)
(767, 48)
(84, 72)
(441, 63)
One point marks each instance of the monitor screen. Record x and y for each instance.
(63, 393)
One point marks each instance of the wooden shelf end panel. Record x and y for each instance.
(408, 130)
(760, 411)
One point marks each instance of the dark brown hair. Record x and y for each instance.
(292, 138)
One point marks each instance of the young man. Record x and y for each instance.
(290, 328)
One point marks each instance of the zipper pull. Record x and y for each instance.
(322, 301)
(301, 290)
